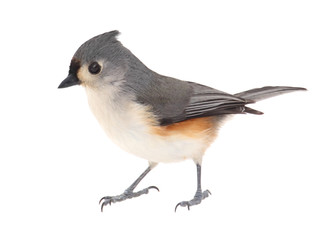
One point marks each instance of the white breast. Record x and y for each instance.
(127, 124)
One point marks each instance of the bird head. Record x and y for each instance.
(100, 61)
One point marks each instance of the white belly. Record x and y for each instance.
(126, 123)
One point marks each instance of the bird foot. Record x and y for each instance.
(128, 194)
(199, 196)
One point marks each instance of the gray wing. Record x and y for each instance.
(205, 101)
(173, 100)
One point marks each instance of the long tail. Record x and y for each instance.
(258, 94)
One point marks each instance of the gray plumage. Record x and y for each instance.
(118, 84)
(170, 99)
(258, 94)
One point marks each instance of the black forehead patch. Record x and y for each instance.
(75, 64)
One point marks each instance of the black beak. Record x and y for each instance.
(71, 80)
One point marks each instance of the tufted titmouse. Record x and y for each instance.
(158, 118)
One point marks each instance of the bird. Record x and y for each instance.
(155, 117)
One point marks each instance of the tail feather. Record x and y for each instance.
(258, 94)
(252, 111)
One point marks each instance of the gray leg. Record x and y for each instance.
(199, 196)
(129, 192)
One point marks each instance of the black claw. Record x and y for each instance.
(102, 207)
(153, 187)
(176, 206)
(104, 204)
(188, 206)
(101, 199)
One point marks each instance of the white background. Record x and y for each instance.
(270, 175)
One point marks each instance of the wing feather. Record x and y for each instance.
(204, 102)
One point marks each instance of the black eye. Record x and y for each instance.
(94, 68)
